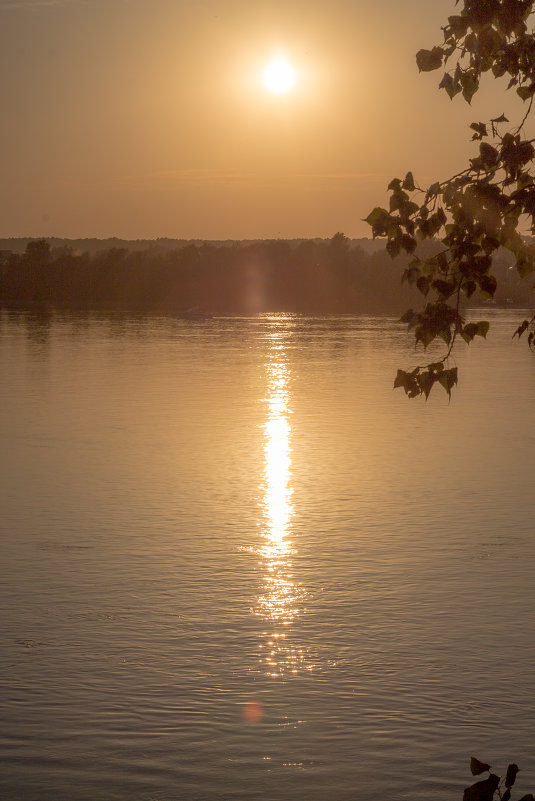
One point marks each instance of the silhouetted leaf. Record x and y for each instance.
(428, 60)
(442, 262)
(378, 219)
(437, 367)
(521, 328)
(400, 379)
(408, 182)
(488, 154)
(490, 244)
(393, 247)
(470, 85)
(459, 25)
(448, 379)
(482, 791)
(480, 130)
(423, 284)
(407, 317)
(410, 274)
(409, 382)
(424, 335)
(506, 796)
(524, 92)
(445, 334)
(487, 284)
(408, 243)
(477, 767)
(377, 215)
(510, 776)
(468, 333)
(469, 287)
(426, 380)
(450, 84)
(444, 288)
(525, 266)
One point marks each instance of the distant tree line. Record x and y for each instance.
(308, 276)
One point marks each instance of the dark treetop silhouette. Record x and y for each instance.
(312, 276)
(333, 276)
(484, 207)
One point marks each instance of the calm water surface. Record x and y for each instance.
(236, 565)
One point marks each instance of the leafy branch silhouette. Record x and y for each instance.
(493, 786)
(480, 209)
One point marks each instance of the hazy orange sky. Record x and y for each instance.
(147, 118)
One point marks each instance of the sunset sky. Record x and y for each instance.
(147, 118)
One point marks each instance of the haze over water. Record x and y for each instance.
(237, 565)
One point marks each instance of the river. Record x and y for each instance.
(238, 566)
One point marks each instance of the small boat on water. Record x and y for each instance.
(195, 313)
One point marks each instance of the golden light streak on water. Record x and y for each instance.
(282, 599)
(277, 453)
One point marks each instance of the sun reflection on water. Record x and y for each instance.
(282, 599)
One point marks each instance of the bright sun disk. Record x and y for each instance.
(278, 76)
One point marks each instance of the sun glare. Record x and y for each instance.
(279, 76)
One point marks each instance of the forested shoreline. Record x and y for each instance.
(309, 276)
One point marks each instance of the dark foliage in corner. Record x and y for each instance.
(493, 787)
(484, 207)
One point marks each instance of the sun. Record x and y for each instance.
(279, 76)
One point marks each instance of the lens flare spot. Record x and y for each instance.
(253, 712)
